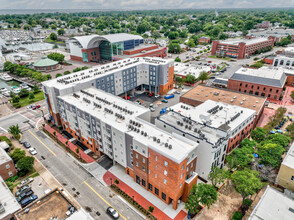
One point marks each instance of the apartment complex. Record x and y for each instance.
(96, 48)
(161, 162)
(7, 168)
(266, 82)
(285, 176)
(118, 78)
(240, 48)
(214, 125)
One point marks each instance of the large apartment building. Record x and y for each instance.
(118, 78)
(162, 163)
(211, 124)
(240, 48)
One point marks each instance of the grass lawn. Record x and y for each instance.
(213, 56)
(26, 101)
(48, 40)
(4, 138)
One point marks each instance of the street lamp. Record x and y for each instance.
(110, 181)
(133, 199)
(43, 114)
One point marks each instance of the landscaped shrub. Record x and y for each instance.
(247, 202)
(237, 216)
(150, 209)
(116, 181)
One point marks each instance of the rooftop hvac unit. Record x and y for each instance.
(158, 140)
(138, 130)
(145, 134)
(166, 144)
(142, 132)
(154, 138)
(170, 146)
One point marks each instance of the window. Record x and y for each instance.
(165, 163)
(182, 166)
(150, 187)
(143, 160)
(7, 166)
(137, 179)
(137, 164)
(165, 172)
(156, 191)
(155, 175)
(277, 91)
(163, 196)
(143, 183)
(164, 181)
(143, 168)
(155, 167)
(292, 178)
(136, 155)
(181, 185)
(181, 176)
(10, 173)
(155, 158)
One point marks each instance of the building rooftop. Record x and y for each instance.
(4, 145)
(123, 114)
(45, 61)
(289, 158)
(274, 33)
(183, 69)
(264, 76)
(220, 81)
(7, 200)
(4, 157)
(202, 93)
(247, 41)
(273, 205)
(96, 71)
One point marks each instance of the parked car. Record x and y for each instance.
(152, 109)
(24, 195)
(151, 94)
(26, 144)
(177, 92)
(169, 96)
(209, 61)
(128, 98)
(25, 182)
(164, 100)
(32, 151)
(157, 96)
(23, 189)
(36, 107)
(112, 212)
(28, 200)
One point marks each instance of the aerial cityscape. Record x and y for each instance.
(146, 110)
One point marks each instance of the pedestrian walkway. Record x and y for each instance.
(95, 170)
(142, 196)
(70, 145)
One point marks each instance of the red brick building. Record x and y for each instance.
(7, 168)
(265, 82)
(204, 40)
(240, 48)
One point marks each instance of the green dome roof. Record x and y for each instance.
(45, 61)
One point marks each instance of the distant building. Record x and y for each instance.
(183, 69)
(240, 48)
(7, 168)
(264, 25)
(45, 64)
(285, 176)
(276, 34)
(8, 204)
(204, 40)
(273, 205)
(95, 48)
(266, 82)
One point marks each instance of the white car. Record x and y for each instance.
(32, 151)
(157, 96)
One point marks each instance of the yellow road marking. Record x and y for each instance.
(103, 199)
(42, 143)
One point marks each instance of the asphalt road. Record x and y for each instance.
(77, 181)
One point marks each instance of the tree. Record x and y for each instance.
(53, 36)
(77, 69)
(201, 194)
(190, 79)
(25, 165)
(17, 154)
(246, 182)
(248, 145)
(239, 158)
(66, 72)
(258, 134)
(191, 43)
(15, 99)
(77, 150)
(280, 139)
(203, 76)
(23, 93)
(14, 131)
(270, 154)
(31, 96)
(217, 175)
(156, 35)
(292, 94)
(57, 57)
(61, 31)
(178, 59)
(58, 75)
(36, 89)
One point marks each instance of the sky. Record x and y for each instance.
(141, 4)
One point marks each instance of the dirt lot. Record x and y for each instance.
(228, 202)
(46, 208)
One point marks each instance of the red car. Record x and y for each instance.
(151, 94)
(209, 61)
(36, 107)
(128, 98)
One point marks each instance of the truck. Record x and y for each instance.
(169, 96)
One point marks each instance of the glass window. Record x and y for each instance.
(164, 181)
(163, 196)
(156, 191)
(165, 163)
(165, 172)
(150, 187)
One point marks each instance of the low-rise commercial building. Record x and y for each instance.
(160, 162)
(276, 34)
(8, 204)
(285, 176)
(265, 82)
(273, 205)
(240, 48)
(45, 64)
(184, 69)
(119, 78)
(214, 125)
(7, 168)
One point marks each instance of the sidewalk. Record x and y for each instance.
(70, 145)
(161, 211)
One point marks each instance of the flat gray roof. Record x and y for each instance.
(289, 159)
(7, 200)
(273, 205)
(4, 157)
(247, 41)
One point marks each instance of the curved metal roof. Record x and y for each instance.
(90, 41)
(45, 61)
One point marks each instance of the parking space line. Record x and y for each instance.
(103, 199)
(42, 143)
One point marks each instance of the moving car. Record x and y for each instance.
(28, 200)
(23, 189)
(26, 144)
(112, 212)
(32, 151)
